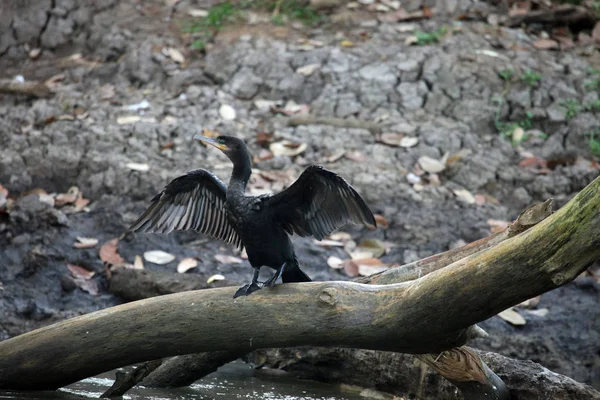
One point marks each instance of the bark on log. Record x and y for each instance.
(426, 315)
(404, 375)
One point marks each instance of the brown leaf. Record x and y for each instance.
(427, 13)
(532, 162)
(336, 156)
(80, 272)
(545, 44)
(158, 257)
(109, 254)
(138, 263)
(89, 286)
(479, 199)
(596, 32)
(335, 262)
(497, 225)
(391, 139)
(381, 221)
(531, 303)
(431, 165)
(186, 264)
(67, 198)
(512, 316)
(355, 156)
(168, 145)
(287, 148)
(3, 197)
(263, 139)
(350, 268)
(85, 243)
(216, 277)
(263, 155)
(226, 259)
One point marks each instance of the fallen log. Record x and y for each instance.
(184, 370)
(427, 315)
(405, 375)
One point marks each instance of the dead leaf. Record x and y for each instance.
(545, 44)
(138, 263)
(263, 155)
(292, 108)
(128, 119)
(308, 70)
(368, 248)
(287, 148)
(479, 199)
(80, 272)
(531, 303)
(89, 286)
(80, 204)
(596, 32)
(518, 135)
(168, 145)
(158, 257)
(3, 197)
(227, 112)
(340, 236)
(497, 225)
(141, 167)
(216, 277)
(355, 156)
(539, 312)
(85, 243)
(107, 92)
(381, 221)
(175, 55)
(336, 156)
(67, 198)
(186, 264)
(533, 162)
(109, 254)
(369, 266)
(263, 139)
(197, 13)
(226, 259)
(335, 262)
(512, 316)
(431, 165)
(465, 196)
(409, 141)
(346, 43)
(350, 268)
(391, 139)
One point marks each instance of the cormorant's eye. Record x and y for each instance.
(221, 141)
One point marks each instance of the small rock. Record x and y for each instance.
(227, 112)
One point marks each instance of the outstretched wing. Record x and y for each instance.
(318, 203)
(195, 201)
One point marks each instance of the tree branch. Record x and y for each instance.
(426, 315)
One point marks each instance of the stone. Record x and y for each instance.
(347, 105)
(412, 94)
(245, 84)
(380, 73)
(409, 70)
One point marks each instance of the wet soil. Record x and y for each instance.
(445, 94)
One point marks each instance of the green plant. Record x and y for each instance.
(424, 38)
(573, 108)
(506, 74)
(594, 141)
(507, 129)
(594, 83)
(592, 106)
(198, 44)
(530, 77)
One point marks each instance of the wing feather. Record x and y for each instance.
(195, 201)
(318, 203)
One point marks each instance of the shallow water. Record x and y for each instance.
(233, 381)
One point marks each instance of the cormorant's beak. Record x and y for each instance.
(212, 142)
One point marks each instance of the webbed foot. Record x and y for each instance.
(246, 289)
(271, 281)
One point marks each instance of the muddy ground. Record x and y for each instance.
(442, 93)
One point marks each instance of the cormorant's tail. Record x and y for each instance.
(293, 273)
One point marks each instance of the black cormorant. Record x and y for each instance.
(318, 203)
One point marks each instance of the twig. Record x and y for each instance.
(339, 122)
(30, 88)
(561, 15)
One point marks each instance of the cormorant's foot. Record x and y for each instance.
(271, 281)
(246, 290)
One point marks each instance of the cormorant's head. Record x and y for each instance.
(233, 147)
